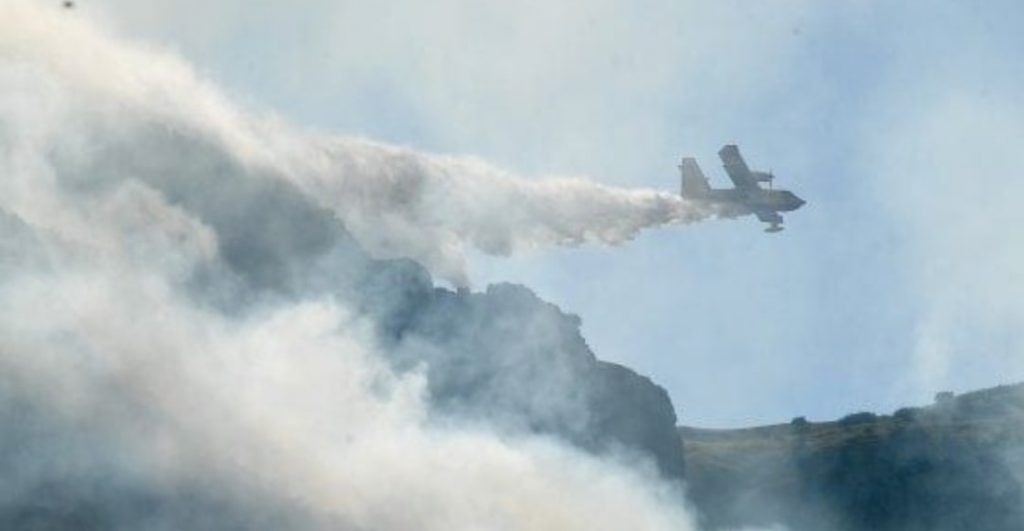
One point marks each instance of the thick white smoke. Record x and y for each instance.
(292, 406)
(288, 405)
(396, 201)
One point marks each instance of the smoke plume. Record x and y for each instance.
(179, 346)
(396, 201)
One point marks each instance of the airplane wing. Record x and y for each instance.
(736, 168)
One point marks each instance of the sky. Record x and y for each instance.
(898, 123)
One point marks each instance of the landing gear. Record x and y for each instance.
(775, 227)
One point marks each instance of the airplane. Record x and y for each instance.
(746, 197)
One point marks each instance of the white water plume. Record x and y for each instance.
(396, 201)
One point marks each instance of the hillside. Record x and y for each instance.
(954, 465)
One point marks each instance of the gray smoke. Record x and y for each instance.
(180, 346)
(397, 202)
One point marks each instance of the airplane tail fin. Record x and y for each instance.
(695, 185)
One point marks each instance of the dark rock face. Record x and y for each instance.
(955, 465)
(506, 358)
(631, 411)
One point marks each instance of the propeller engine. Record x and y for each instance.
(763, 177)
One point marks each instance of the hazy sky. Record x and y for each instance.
(899, 124)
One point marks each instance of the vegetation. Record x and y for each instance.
(957, 464)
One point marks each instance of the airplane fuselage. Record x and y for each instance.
(750, 201)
